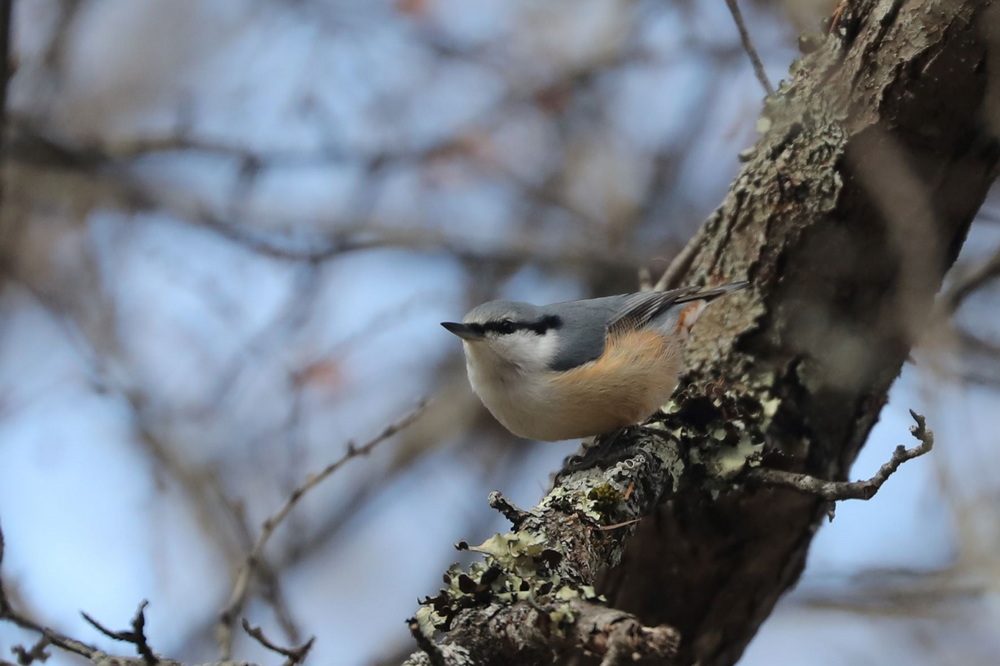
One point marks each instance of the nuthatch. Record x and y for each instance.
(579, 368)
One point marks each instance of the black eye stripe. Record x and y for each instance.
(506, 326)
(547, 323)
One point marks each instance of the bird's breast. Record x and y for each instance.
(624, 386)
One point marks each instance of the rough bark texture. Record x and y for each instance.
(851, 208)
(856, 199)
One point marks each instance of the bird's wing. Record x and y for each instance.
(592, 321)
(639, 309)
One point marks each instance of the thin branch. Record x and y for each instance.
(430, 648)
(227, 618)
(843, 490)
(501, 503)
(35, 653)
(295, 655)
(137, 636)
(53, 637)
(758, 66)
(48, 637)
(268, 575)
(620, 525)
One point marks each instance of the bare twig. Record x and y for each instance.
(50, 636)
(137, 636)
(35, 653)
(293, 656)
(516, 516)
(227, 618)
(429, 647)
(267, 575)
(620, 525)
(758, 66)
(843, 490)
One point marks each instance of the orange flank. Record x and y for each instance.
(634, 376)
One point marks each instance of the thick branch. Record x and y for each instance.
(872, 163)
(534, 588)
(874, 159)
(530, 632)
(533, 595)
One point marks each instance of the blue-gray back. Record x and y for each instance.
(586, 324)
(584, 329)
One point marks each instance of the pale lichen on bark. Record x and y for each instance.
(544, 570)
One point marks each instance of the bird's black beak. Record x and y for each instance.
(463, 331)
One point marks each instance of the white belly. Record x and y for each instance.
(526, 411)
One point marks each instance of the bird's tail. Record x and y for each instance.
(699, 300)
(710, 294)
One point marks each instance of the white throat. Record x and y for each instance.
(509, 374)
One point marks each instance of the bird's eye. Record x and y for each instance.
(505, 327)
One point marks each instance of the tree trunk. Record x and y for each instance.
(854, 204)
(872, 162)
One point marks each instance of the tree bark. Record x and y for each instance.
(872, 162)
(854, 204)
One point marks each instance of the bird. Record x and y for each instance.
(579, 368)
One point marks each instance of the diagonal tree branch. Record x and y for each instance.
(872, 162)
(875, 157)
